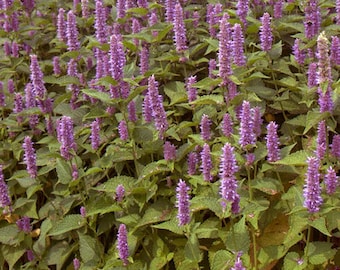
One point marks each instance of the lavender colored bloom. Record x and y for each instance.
(147, 110)
(337, 10)
(76, 264)
(15, 21)
(312, 21)
(72, 32)
(169, 151)
(28, 5)
(144, 60)
(65, 137)
(5, 200)
(206, 163)
(169, 10)
(10, 86)
(122, 244)
(100, 22)
(321, 141)
(120, 193)
(266, 36)
(121, 9)
(18, 106)
(31, 103)
(192, 163)
(61, 30)
(312, 188)
(324, 66)
(153, 19)
(30, 255)
(335, 147)
(123, 130)
(237, 46)
(257, 120)
(224, 52)
(335, 50)
(228, 165)
(136, 27)
(156, 102)
(278, 9)
(325, 99)
(242, 8)
(132, 111)
(196, 18)
(24, 224)
(192, 91)
(331, 181)
(15, 49)
(117, 62)
(82, 211)
(238, 263)
(7, 48)
(205, 127)
(85, 13)
(272, 142)
(212, 68)
(95, 137)
(2, 95)
(30, 157)
(182, 203)
(227, 125)
(179, 29)
(250, 159)
(75, 172)
(247, 136)
(142, 3)
(213, 11)
(56, 66)
(37, 82)
(312, 75)
(299, 54)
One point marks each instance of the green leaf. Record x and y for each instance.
(270, 186)
(64, 171)
(199, 203)
(320, 252)
(153, 169)
(293, 261)
(12, 254)
(104, 97)
(296, 159)
(102, 205)
(320, 225)
(209, 99)
(207, 83)
(171, 225)
(68, 223)
(62, 81)
(176, 92)
(157, 212)
(111, 184)
(8, 235)
(238, 238)
(191, 249)
(313, 118)
(89, 249)
(221, 260)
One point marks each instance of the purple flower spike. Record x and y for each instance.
(72, 32)
(238, 263)
(132, 111)
(120, 193)
(192, 163)
(169, 151)
(266, 35)
(299, 54)
(312, 21)
(337, 10)
(247, 136)
(192, 91)
(122, 244)
(18, 106)
(95, 137)
(61, 30)
(182, 203)
(227, 125)
(325, 99)
(38, 82)
(85, 13)
(76, 264)
(100, 22)
(237, 46)
(335, 50)
(228, 165)
(312, 75)
(312, 188)
(321, 141)
(24, 224)
(272, 141)
(169, 10)
(56, 66)
(144, 60)
(225, 51)
(278, 6)
(324, 66)
(30, 157)
(65, 137)
(2, 95)
(5, 200)
(123, 130)
(212, 68)
(10, 86)
(205, 127)
(331, 181)
(179, 29)
(206, 163)
(335, 147)
(117, 63)
(242, 11)
(156, 103)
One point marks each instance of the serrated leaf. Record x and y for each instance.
(111, 184)
(153, 169)
(238, 238)
(89, 249)
(64, 171)
(171, 225)
(62, 81)
(320, 252)
(293, 261)
(12, 254)
(320, 225)
(157, 212)
(102, 205)
(209, 99)
(296, 159)
(199, 203)
(313, 118)
(268, 185)
(8, 234)
(221, 260)
(68, 223)
(176, 92)
(191, 249)
(207, 83)
(104, 97)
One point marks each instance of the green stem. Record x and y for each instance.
(249, 184)
(309, 233)
(254, 247)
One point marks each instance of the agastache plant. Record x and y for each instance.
(122, 244)
(205, 127)
(331, 181)
(66, 137)
(30, 157)
(272, 142)
(224, 52)
(72, 32)
(321, 141)
(179, 29)
(5, 200)
(312, 188)
(182, 203)
(266, 36)
(247, 135)
(242, 8)
(312, 20)
(237, 45)
(206, 163)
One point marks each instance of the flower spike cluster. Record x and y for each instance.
(272, 140)
(179, 29)
(247, 135)
(65, 137)
(30, 157)
(182, 203)
(122, 244)
(5, 200)
(266, 36)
